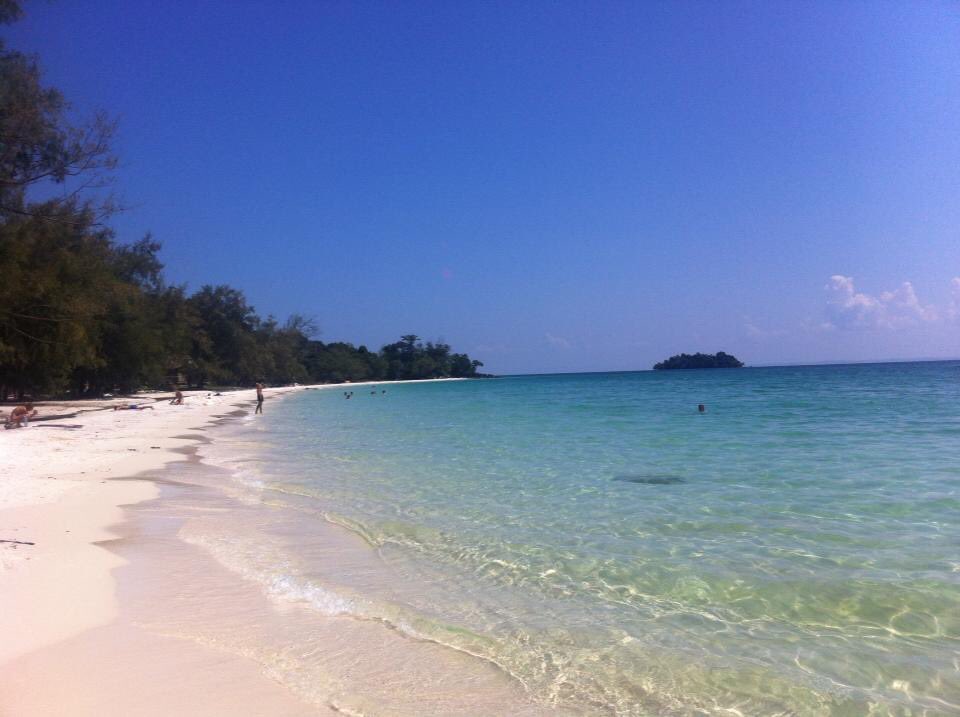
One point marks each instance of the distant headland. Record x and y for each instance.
(698, 360)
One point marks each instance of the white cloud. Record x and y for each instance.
(849, 309)
(904, 304)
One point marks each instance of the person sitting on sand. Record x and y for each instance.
(20, 416)
(177, 398)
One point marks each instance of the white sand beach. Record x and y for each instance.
(72, 646)
(55, 493)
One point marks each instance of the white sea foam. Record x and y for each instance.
(296, 589)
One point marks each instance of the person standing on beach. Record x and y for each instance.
(259, 398)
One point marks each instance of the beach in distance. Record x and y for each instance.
(560, 544)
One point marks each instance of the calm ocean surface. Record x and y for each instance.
(794, 550)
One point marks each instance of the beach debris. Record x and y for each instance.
(18, 542)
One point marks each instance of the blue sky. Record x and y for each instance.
(549, 186)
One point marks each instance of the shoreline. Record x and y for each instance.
(60, 500)
(75, 491)
(56, 494)
(404, 556)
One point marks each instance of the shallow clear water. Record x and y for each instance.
(793, 550)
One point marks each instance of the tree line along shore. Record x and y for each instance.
(82, 314)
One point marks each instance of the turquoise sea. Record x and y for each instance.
(793, 550)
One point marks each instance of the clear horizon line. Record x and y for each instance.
(759, 365)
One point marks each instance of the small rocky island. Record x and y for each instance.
(698, 360)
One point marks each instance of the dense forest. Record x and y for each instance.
(82, 313)
(698, 360)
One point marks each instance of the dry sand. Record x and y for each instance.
(60, 590)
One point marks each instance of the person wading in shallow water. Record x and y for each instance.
(259, 398)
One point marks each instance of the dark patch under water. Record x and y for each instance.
(650, 479)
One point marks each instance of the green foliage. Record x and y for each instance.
(9, 11)
(699, 360)
(55, 292)
(40, 148)
(81, 314)
(409, 358)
